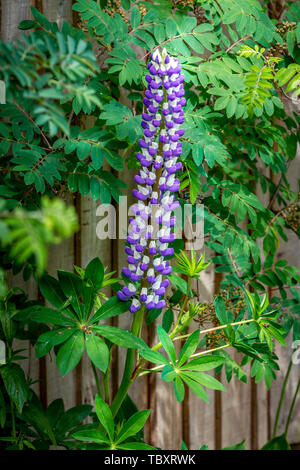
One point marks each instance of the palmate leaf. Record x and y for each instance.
(116, 435)
(180, 371)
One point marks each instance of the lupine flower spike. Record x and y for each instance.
(156, 185)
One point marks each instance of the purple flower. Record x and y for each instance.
(157, 184)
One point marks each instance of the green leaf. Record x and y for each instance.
(119, 336)
(94, 272)
(133, 425)
(168, 373)
(35, 416)
(47, 315)
(167, 321)
(136, 446)
(178, 282)
(27, 24)
(206, 380)
(204, 363)
(111, 308)
(135, 18)
(171, 28)
(57, 336)
(189, 347)
(195, 387)
(15, 384)
(197, 152)
(178, 389)
(153, 356)
(70, 353)
(167, 343)
(72, 286)
(104, 415)
(97, 155)
(238, 446)
(83, 149)
(277, 443)
(71, 418)
(51, 291)
(97, 351)
(95, 188)
(92, 435)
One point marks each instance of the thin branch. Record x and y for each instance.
(32, 121)
(237, 42)
(289, 161)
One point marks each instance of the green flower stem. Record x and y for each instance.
(182, 308)
(128, 369)
(106, 381)
(97, 380)
(13, 419)
(177, 328)
(282, 397)
(291, 409)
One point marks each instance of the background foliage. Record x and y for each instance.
(240, 65)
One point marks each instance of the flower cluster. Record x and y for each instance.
(156, 185)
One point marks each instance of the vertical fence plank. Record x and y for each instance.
(236, 409)
(58, 10)
(91, 247)
(60, 257)
(12, 13)
(201, 415)
(288, 251)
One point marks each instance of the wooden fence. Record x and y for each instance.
(244, 411)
